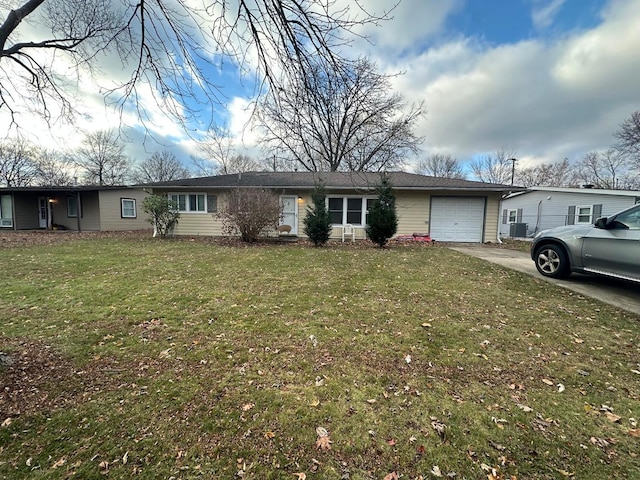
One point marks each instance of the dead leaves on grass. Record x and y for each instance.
(323, 442)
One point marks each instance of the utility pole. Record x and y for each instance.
(513, 169)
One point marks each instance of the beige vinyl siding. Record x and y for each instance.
(413, 209)
(196, 224)
(413, 212)
(111, 213)
(491, 218)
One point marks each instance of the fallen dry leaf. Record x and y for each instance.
(104, 467)
(524, 408)
(248, 406)
(435, 471)
(599, 442)
(61, 461)
(7, 422)
(565, 473)
(438, 426)
(323, 443)
(269, 434)
(391, 476)
(547, 381)
(613, 417)
(635, 432)
(301, 476)
(322, 432)
(391, 442)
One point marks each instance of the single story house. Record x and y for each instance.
(450, 210)
(80, 208)
(539, 208)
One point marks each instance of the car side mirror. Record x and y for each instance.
(601, 223)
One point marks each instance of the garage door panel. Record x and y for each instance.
(457, 219)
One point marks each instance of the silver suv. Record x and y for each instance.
(611, 247)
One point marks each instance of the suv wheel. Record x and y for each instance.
(552, 261)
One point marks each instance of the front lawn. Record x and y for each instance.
(135, 358)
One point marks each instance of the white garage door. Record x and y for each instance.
(457, 219)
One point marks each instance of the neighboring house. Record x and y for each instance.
(540, 208)
(80, 208)
(448, 209)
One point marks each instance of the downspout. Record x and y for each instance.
(538, 217)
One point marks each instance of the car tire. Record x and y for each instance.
(552, 261)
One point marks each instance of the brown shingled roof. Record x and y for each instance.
(332, 180)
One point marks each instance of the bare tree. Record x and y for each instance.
(250, 212)
(160, 167)
(219, 156)
(171, 45)
(18, 166)
(54, 169)
(102, 159)
(440, 165)
(498, 167)
(608, 169)
(331, 119)
(628, 136)
(555, 174)
(202, 167)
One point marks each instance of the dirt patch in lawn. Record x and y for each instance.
(31, 374)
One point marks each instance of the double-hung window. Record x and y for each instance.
(512, 216)
(128, 207)
(190, 202)
(350, 209)
(583, 214)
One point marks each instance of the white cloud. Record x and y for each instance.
(546, 101)
(410, 24)
(544, 12)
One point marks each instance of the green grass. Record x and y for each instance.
(187, 359)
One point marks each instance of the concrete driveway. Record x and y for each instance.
(625, 295)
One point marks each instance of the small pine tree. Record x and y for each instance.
(317, 223)
(382, 220)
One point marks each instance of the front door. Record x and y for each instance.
(43, 212)
(290, 213)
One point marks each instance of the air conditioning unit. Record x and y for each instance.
(518, 230)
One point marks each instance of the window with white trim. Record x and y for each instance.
(6, 211)
(584, 214)
(72, 206)
(512, 215)
(343, 210)
(190, 202)
(128, 207)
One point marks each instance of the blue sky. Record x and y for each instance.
(511, 21)
(547, 79)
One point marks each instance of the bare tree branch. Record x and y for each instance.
(160, 167)
(342, 119)
(167, 47)
(440, 165)
(102, 159)
(628, 136)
